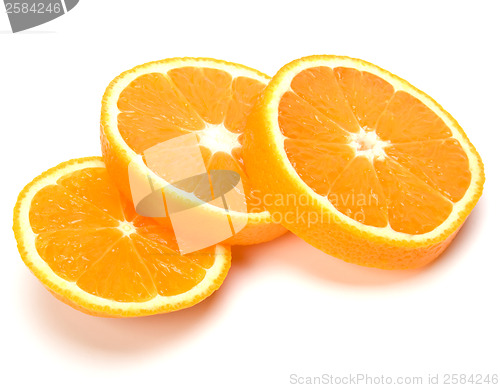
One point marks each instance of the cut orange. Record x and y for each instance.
(361, 164)
(91, 250)
(164, 100)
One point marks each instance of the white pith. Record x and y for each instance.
(76, 294)
(217, 138)
(126, 227)
(367, 143)
(277, 143)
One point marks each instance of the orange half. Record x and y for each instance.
(162, 101)
(372, 169)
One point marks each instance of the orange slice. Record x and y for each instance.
(361, 164)
(152, 104)
(91, 250)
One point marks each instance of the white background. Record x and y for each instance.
(278, 313)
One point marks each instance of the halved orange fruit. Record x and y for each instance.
(165, 100)
(360, 163)
(86, 244)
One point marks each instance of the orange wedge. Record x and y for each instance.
(91, 250)
(154, 103)
(361, 164)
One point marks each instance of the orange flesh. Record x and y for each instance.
(157, 107)
(380, 156)
(76, 222)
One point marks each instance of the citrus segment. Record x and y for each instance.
(120, 274)
(88, 246)
(298, 119)
(414, 207)
(207, 91)
(435, 161)
(67, 211)
(358, 194)
(244, 94)
(406, 119)
(319, 87)
(153, 100)
(61, 249)
(86, 183)
(367, 94)
(309, 159)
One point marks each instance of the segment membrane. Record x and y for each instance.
(69, 253)
(245, 92)
(357, 193)
(151, 103)
(366, 94)
(56, 208)
(413, 206)
(319, 87)
(94, 186)
(120, 275)
(318, 164)
(298, 119)
(172, 274)
(207, 91)
(442, 164)
(408, 119)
